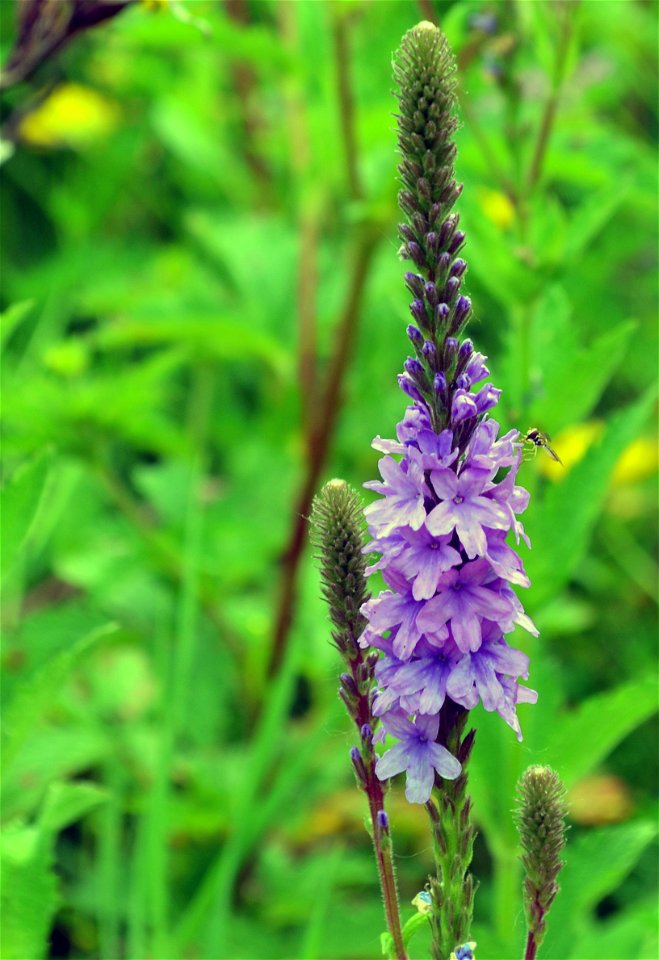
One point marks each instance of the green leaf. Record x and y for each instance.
(28, 894)
(35, 695)
(416, 922)
(596, 864)
(625, 708)
(19, 501)
(593, 215)
(629, 933)
(574, 379)
(65, 803)
(560, 527)
(12, 317)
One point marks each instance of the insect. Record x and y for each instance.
(535, 438)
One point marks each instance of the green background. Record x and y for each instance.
(200, 245)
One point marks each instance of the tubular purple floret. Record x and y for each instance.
(451, 288)
(414, 368)
(458, 267)
(415, 284)
(383, 822)
(429, 351)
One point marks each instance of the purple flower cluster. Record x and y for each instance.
(440, 530)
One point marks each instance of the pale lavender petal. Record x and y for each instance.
(420, 780)
(392, 762)
(444, 762)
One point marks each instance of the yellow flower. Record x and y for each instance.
(496, 206)
(639, 460)
(571, 445)
(72, 116)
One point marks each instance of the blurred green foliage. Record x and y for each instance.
(199, 212)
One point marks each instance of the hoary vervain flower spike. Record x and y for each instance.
(540, 818)
(336, 525)
(449, 500)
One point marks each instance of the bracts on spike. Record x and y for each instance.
(336, 524)
(452, 888)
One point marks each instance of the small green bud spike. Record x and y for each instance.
(337, 534)
(540, 820)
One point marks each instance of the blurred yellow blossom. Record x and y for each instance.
(72, 116)
(496, 206)
(599, 799)
(571, 445)
(639, 460)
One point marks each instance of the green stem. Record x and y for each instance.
(453, 886)
(551, 106)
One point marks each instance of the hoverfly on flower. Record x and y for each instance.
(535, 439)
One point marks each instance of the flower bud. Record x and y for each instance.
(408, 387)
(418, 311)
(415, 284)
(451, 288)
(456, 242)
(358, 764)
(383, 822)
(460, 313)
(414, 368)
(439, 386)
(430, 352)
(414, 252)
(431, 294)
(540, 820)
(442, 313)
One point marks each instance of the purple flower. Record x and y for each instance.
(463, 508)
(417, 685)
(464, 601)
(423, 558)
(399, 610)
(417, 753)
(403, 503)
(478, 675)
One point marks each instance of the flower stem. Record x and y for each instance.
(531, 947)
(384, 859)
(453, 887)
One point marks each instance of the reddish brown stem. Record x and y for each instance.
(531, 947)
(321, 434)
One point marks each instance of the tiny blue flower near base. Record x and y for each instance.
(464, 952)
(423, 901)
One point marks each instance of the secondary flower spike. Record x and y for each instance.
(449, 497)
